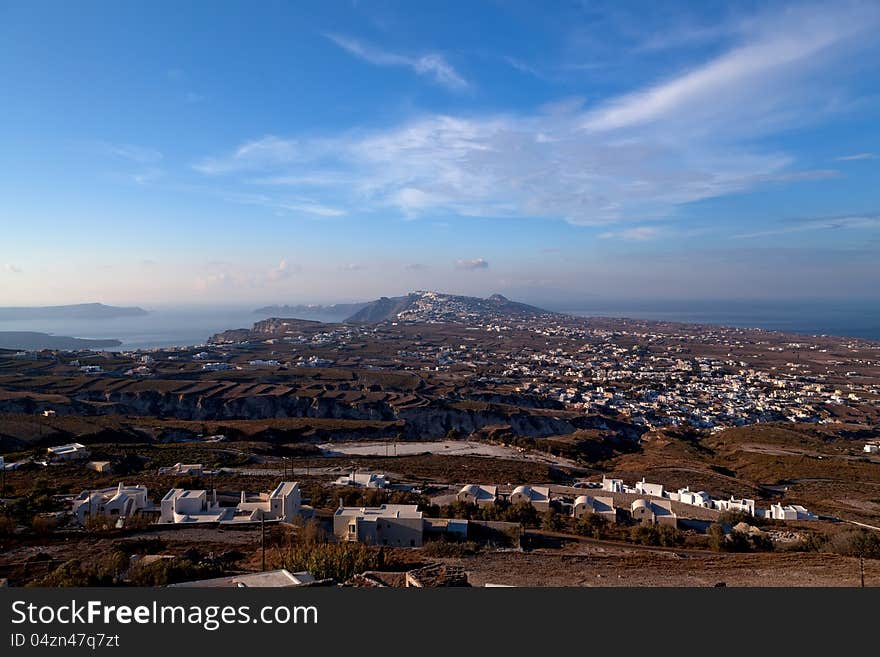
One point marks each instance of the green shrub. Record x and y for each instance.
(592, 524)
(855, 543)
(444, 548)
(337, 561)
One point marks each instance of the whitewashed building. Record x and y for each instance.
(699, 498)
(612, 485)
(733, 504)
(117, 502)
(645, 488)
(537, 496)
(653, 512)
(68, 452)
(602, 506)
(194, 506)
(478, 494)
(363, 480)
(183, 469)
(790, 512)
(399, 525)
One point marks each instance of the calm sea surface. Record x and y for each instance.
(860, 319)
(169, 327)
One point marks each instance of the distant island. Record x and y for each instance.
(75, 311)
(336, 312)
(35, 341)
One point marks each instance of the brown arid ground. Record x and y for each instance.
(598, 565)
(583, 562)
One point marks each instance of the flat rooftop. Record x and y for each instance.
(384, 511)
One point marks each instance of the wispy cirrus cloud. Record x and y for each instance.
(848, 222)
(432, 65)
(133, 152)
(756, 78)
(286, 203)
(636, 234)
(631, 158)
(856, 157)
(269, 150)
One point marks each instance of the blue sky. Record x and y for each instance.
(303, 152)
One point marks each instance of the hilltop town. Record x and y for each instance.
(461, 434)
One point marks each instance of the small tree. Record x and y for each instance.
(592, 524)
(552, 521)
(44, 524)
(669, 536)
(645, 535)
(856, 543)
(716, 537)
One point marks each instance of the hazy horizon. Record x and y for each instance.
(342, 152)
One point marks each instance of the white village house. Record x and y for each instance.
(478, 494)
(117, 502)
(398, 525)
(536, 496)
(601, 506)
(192, 506)
(68, 452)
(363, 480)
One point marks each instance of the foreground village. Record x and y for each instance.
(488, 514)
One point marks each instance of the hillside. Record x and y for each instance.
(426, 306)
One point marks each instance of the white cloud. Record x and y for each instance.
(12, 269)
(854, 222)
(857, 156)
(432, 65)
(523, 67)
(256, 154)
(752, 79)
(637, 234)
(293, 204)
(282, 271)
(472, 265)
(214, 281)
(133, 153)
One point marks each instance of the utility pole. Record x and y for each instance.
(263, 537)
(862, 570)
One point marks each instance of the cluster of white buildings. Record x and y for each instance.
(653, 504)
(181, 506)
(704, 500)
(540, 497)
(655, 383)
(198, 506)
